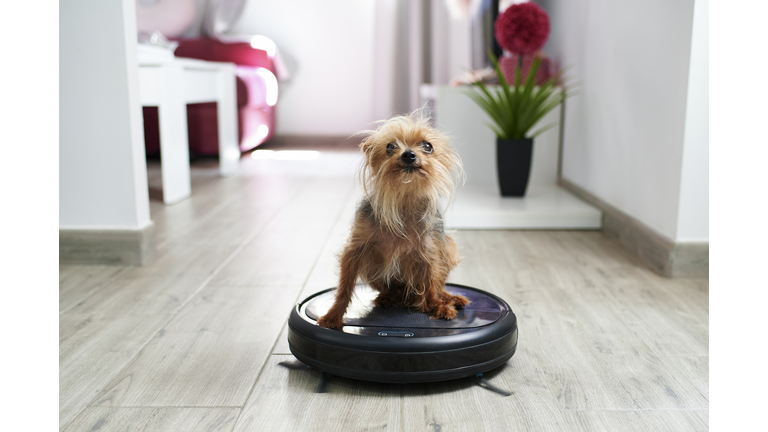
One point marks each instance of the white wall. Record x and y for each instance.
(624, 133)
(102, 170)
(693, 216)
(355, 61)
(328, 46)
(451, 41)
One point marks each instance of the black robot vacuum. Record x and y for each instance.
(398, 345)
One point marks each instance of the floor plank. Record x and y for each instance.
(696, 369)
(285, 400)
(593, 360)
(588, 324)
(92, 349)
(209, 193)
(155, 420)
(325, 272)
(192, 258)
(77, 283)
(638, 421)
(287, 250)
(464, 405)
(162, 287)
(236, 213)
(209, 355)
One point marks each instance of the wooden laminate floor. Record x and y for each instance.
(193, 341)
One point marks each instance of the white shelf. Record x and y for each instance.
(544, 207)
(479, 204)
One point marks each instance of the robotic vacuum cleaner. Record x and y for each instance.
(397, 345)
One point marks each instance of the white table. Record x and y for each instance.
(172, 84)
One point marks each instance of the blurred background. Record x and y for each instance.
(634, 138)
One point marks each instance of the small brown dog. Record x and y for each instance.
(397, 244)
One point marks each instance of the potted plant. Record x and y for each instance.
(515, 109)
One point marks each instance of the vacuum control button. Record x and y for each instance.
(396, 334)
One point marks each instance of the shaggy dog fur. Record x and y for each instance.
(397, 244)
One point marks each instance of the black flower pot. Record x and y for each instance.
(513, 165)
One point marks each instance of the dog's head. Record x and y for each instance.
(406, 159)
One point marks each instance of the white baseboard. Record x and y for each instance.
(661, 254)
(107, 247)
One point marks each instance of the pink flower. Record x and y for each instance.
(547, 68)
(523, 28)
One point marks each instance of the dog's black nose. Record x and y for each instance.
(408, 157)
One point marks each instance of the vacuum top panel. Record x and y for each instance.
(483, 310)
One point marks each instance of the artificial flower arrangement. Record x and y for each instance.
(522, 30)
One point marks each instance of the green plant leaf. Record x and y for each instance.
(515, 110)
(543, 129)
(544, 110)
(488, 104)
(506, 99)
(495, 130)
(529, 82)
(491, 107)
(537, 104)
(525, 102)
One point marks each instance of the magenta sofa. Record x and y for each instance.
(254, 111)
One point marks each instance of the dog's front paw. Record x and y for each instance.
(329, 321)
(446, 312)
(460, 300)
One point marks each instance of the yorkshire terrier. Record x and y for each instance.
(397, 245)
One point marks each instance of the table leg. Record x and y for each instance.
(226, 107)
(174, 143)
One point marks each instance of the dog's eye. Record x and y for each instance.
(390, 146)
(427, 147)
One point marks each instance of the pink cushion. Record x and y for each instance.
(202, 124)
(240, 53)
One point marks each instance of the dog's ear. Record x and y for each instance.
(367, 146)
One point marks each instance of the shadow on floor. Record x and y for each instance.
(336, 384)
